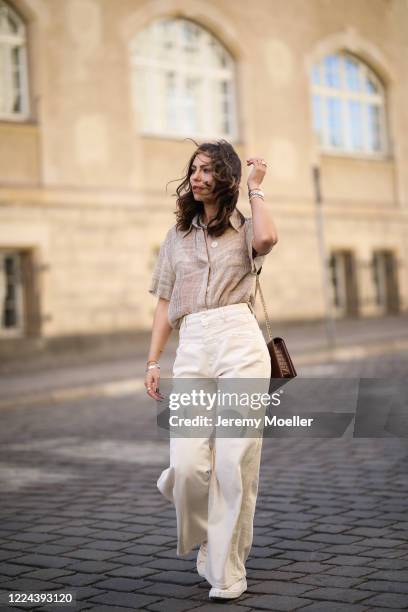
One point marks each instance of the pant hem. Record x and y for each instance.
(187, 551)
(224, 585)
(227, 585)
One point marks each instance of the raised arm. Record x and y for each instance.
(265, 235)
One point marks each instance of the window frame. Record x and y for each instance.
(140, 64)
(345, 95)
(19, 41)
(17, 302)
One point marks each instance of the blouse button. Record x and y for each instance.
(214, 244)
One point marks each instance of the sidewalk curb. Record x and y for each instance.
(132, 385)
(357, 351)
(106, 389)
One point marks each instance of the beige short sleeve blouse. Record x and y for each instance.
(197, 272)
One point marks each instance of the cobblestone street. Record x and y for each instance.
(81, 512)
(204, 305)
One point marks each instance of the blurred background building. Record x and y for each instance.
(97, 101)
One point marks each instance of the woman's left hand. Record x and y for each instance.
(257, 173)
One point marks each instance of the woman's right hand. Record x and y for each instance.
(151, 383)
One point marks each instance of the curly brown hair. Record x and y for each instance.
(226, 167)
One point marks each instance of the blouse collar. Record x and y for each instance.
(234, 220)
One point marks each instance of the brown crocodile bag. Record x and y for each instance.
(281, 363)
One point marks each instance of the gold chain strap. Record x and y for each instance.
(268, 324)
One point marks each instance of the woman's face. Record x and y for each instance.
(201, 178)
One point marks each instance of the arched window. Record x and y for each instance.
(183, 81)
(348, 106)
(13, 73)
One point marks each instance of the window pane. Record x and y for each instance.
(334, 121)
(3, 19)
(225, 100)
(317, 113)
(158, 43)
(16, 102)
(217, 55)
(12, 84)
(374, 141)
(356, 125)
(191, 105)
(167, 35)
(16, 78)
(371, 87)
(352, 74)
(171, 101)
(10, 279)
(8, 24)
(332, 70)
(316, 74)
(190, 41)
(3, 78)
(221, 56)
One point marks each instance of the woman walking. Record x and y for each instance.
(205, 281)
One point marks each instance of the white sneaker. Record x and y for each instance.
(234, 591)
(201, 559)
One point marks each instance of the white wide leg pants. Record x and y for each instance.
(213, 482)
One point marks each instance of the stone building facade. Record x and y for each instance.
(98, 99)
